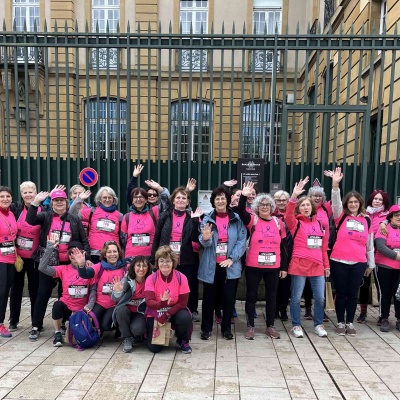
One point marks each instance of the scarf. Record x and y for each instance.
(373, 210)
(178, 213)
(108, 267)
(108, 209)
(221, 215)
(135, 211)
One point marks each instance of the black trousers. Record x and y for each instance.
(60, 310)
(31, 270)
(130, 323)
(104, 316)
(190, 271)
(7, 272)
(283, 294)
(227, 288)
(388, 281)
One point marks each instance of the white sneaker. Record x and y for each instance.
(297, 331)
(320, 331)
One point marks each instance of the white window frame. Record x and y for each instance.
(383, 16)
(104, 11)
(110, 140)
(185, 123)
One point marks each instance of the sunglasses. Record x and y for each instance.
(152, 195)
(110, 242)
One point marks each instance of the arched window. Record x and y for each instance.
(105, 128)
(191, 130)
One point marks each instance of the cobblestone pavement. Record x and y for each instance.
(361, 367)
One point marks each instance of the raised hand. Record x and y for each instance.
(328, 173)
(337, 176)
(154, 185)
(191, 184)
(58, 187)
(78, 256)
(299, 187)
(248, 188)
(54, 238)
(207, 232)
(117, 284)
(41, 196)
(85, 195)
(230, 183)
(197, 213)
(137, 170)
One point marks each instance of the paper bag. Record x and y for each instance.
(161, 334)
(329, 303)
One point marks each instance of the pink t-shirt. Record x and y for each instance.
(323, 217)
(176, 233)
(104, 226)
(28, 236)
(393, 242)
(376, 219)
(104, 286)
(352, 238)
(137, 297)
(75, 289)
(265, 243)
(160, 286)
(140, 232)
(222, 244)
(56, 225)
(8, 233)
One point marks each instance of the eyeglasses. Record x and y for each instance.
(107, 198)
(110, 242)
(152, 194)
(264, 205)
(138, 198)
(165, 262)
(281, 201)
(141, 266)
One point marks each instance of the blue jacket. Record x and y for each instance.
(236, 248)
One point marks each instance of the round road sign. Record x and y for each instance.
(88, 177)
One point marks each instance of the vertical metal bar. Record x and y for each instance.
(98, 108)
(27, 122)
(303, 136)
(149, 157)
(88, 106)
(57, 81)
(18, 126)
(191, 109)
(37, 105)
(221, 104)
(128, 101)
(117, 153)
(67, 108)
(283, 153)
(138, 102)
(169, 159)
(111, 107)
(179, 130)
(210, 115)
(243, 69)
(201, 105)
(263, 120)
(8, 84)
(46, 60)
(159, 83)
(252, 103)
(77, 102)
(232, 83)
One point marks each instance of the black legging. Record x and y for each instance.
(104, 316)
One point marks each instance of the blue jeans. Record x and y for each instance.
(318, 289)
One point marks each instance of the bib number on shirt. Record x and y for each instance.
(266, 258)
(107, 288)
(162, 311)
(24, 243)
(106, 225)
(77, 291)
(175, 247)
(65, 238)
(140, 239)
(7, 248)
(314, 242)
(222, 249)
(353, 225)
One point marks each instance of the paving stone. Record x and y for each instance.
(190, 381)
(249, 369)
(13, 378)
(226, 368)
(160, 367)
(82, 381)
(226, 385)
(154, 384)
(72, 395)
(149, 396)
(378, 391)
(256, 393)
(330, 394)
(113, 391)
(226, 397)
(300, 389)
(365, 374)
(355, 395)
(194, 395)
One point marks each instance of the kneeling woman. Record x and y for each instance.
(167, 294)
(128, 314)
(78, 293)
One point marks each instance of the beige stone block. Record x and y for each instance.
(72, 395)
(331, 394)
(193, 395)
(249, 367)
(188, 381)
(226, 385)
(226, 368)
(113, 391)
(149, 396)
(257, 393)
(300, 389)
(83, 381)
(154, 384)
(160, 367)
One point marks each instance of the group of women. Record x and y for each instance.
(103, 261)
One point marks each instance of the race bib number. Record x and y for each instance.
(24, 243)
(175, 247)
(222, 249)
(140, 239)
(314, 242)
(65, 238)
(106, 225)
(266, 258)
(353, 225)
(77, 291)
(107, 288)
(7, 248)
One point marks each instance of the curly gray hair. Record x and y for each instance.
(111, 193)
(317, 190)
(261, 197)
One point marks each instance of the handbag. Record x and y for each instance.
(161, 334)
(329, 303)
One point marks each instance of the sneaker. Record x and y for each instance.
(184, 346)
(12, 327)
(63, 329)
(58, 340)
(320, 331)
(227, 335)
(350, 330)
(297, 331)
(249, 333)
(4, 332)
(385, 325)
(361, 318)
(307, 315)
(272, 333)
(340, 329)
(398, 324)
(195, 316)
(379, 321)
(284, 316)
(127, 345)
(34, 334)
(234, 314)
(326, 318)
(205, 335)
(218, 318)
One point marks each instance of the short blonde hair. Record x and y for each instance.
(27, 184)
(166, 252)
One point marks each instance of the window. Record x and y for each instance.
(191, 130)
(105, 129)
(256, 123)
(382, 25)
(329, 10)
(266, 20)
(105, 12)
(194, 16)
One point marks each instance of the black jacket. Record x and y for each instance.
(44, 219)
(162, 237)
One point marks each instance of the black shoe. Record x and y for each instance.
(227, 335)
(326, 318)
(398, 324)
(385, 327)
(361, 318)
(58, 340)
(284, 316)
(63, 329)
(308, 315)
(12, 327)
(34, 334)
(205, 335)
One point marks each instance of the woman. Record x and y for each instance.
(68, 228)
(78, 293)
(129, 293)
(309, 257)
(174, 229)
(8, 255)
(139, 225)
(167, 292)
(27, 241)
(281, 199)
(352, 253)
(377, 210)
(387, 259)
(266, 258)
(103, 221)
(223, 237)
(111, 266)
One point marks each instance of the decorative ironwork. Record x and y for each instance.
(329, 11)
(313, 29)
(31, 55)
(194, 60)
(105, 58)
(264, 60)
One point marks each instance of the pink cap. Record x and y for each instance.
(58, 194)
(394, 208)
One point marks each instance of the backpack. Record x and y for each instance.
(84, 329)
